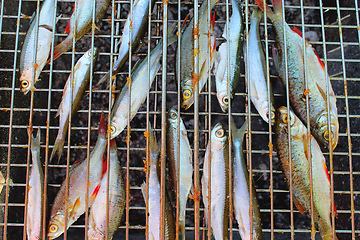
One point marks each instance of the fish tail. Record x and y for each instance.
(61, 48)
(238, 133)
(172, 37)
(58, 147)
(102, 126)
(256, 14)
(154, 147)
(35, 142)
(105, 78)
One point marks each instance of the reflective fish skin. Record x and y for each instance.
(81, 22)
(138, 28)
(241, 191)
(235, 40)
(301, 170)
(78, 83)
(43, 41)
(140, 86)
(218, 151)
(256, 76)
(183, 163)
(115, 203)
(154, 195)
(34, 218)
(75, 200)
(186, 68)
(316, 76)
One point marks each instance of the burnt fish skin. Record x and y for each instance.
(301, 170)
(35, 201)
(38, 48)
(75, 85)
(74, 205)
(316, 78)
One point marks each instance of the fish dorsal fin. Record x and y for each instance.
(74, 208)
(67, 29)
(321, 63)
(298, 205)
(296, 30)
(323, 94)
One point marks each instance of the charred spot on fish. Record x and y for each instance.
(173, 115)
(220, 133)
(186, 94)
(24, 84)
(53, 228)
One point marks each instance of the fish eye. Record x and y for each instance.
(220, 133)
(326, 135)
(186, 94)
(285, 118)
(226, 100)
(53, 228)
(113, 129)
(173, 115)
(24, 84)
(272, 115)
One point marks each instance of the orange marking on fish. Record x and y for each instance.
(195, 78)
(306, 92)
(185, 20)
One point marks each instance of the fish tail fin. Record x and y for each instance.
(58, 147)
(262, 5)
(35, 142)
(154, 147)
(171, 34)
(102, 126)
(61, 48)
(105, 78)
(143, 190)
(256, 14)
(238, 133)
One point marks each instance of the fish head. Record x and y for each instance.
(283, 119)
(173, 116)
(218, 136)
(223, 100)
(115, 130)
(324, 134)
(91, 55)
(271, 115)
(187, 93)
(27, 81)
(56, 226)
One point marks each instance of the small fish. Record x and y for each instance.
(139, 24)
(256, 77)
(218, 153)
(204, 30)
(140, 86)
(300, 170)
(241, 197)
(37, 49)
(77, 84)
(115, 202)
(234, 39)
(74, 205)
(35, 198)
(316, 78)
(81, 22)
(155, 219)
(180, 159)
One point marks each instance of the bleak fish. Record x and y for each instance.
(37, 49)
(35, 198)
(115, 201)
(218, 154)
(180, 160)
(229, 73)
(316, 79)
(241, 189)
(76, 84)
(72, 204)
(301, 170)
(256, 77)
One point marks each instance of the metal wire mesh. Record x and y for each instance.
(332, 27)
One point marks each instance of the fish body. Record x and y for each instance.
(34, 217)
(74, 205)
(218, 153)
(75, 85)
(316, 78)
(38, 48)
(154, 206)
(116, 201)
(180, 159)
(234, 39)
(241, 190)
(256, 76)
(188, 79)
(81, 22)
(301, 170)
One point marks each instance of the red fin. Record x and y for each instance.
(77, 162)
(61, 48)
(95, 193)
(260, 4)
(185, 20)
(113, 143)
(277, 5)
(321, 63)
(326, 171)
(212, 20)
(298, 206)
(67, 29)
(104, 166)
(102, 125)
(296, 30)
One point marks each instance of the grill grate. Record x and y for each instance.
(337, 20)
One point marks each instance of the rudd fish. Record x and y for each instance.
(72, 204)
(180, 160)
(75, 85)
(154, 195)
(316, 78)
(218, 153)
(204, 30)
(140, 86)
(301, 170)
(241, 197)
(35, 198)
(256, 76)
(36, 47)
(229, 74)
(115, 189)
(81, 22)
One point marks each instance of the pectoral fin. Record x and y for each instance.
(298, 206)
(323, 94)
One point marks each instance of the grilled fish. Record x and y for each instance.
(115, 202)
(180, 160)
(229, 73)
(81, 22)
(37, 48)
(76, 84)
(316, 78)
(203, 31)
(34, 217)
(218, 153)
(241, 189)
(72, 205)
(256, 77)
(301, 171)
